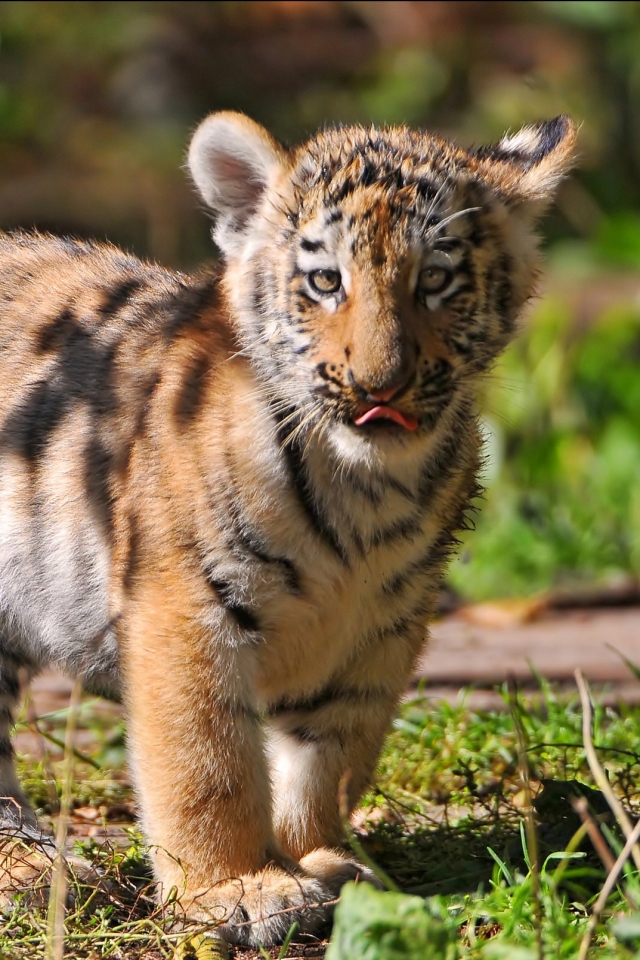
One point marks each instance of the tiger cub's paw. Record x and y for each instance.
(333, 869)
(258, 910)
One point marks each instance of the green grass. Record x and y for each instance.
(445, 821)
(451, 801)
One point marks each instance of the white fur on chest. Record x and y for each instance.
(309, 636)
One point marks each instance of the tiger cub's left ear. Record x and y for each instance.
(529, 165)
(232, 159)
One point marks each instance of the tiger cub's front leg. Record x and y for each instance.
(324, 751)
(197, 756)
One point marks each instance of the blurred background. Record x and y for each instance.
(97, 103)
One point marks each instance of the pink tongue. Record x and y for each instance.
(388, 413)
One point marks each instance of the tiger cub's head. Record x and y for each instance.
(375, 273)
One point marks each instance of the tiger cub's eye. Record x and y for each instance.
(325, 281)
(433, 279)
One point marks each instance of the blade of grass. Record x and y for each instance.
(635, 670)
(202, 947)
(287, 940)
(61, 743)
(54, 946)
(581, 807)
(531, 847)
(504, 869)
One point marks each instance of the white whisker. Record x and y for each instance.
(437, 197)
(290, 438)
(243, 350)
(453, 216)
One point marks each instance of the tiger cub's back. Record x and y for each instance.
(84, 335)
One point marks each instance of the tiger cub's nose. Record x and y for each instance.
(383, 392)
(385, 395)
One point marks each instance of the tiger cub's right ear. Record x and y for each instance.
(231, 160)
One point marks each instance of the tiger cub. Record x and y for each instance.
(228, 498)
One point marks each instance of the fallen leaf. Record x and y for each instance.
(504, 613)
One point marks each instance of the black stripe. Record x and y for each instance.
(243, 616)
(133, 555)
(146, 396)
(416, 617)
(52, 336)
(400, 488)
(6, 716)
(398, 530)
(188, 304)
(307, 735)
(6, 750)
(28, 428)
(305, 496)
(250, 539)
(344, 190)
(438, 468)
(191, 391)
(328, 695)
(431, 561)
(467, 287)
(9, 685)
(17, 660)
(312, 245)
(118, 296)
(252, 545)
(362, 487)
(98, 465)
(398, 581)
(368, 173)
(300, 482)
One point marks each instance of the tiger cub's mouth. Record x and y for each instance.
(383, 412)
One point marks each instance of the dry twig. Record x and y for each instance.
(609, 884)
(596, 769)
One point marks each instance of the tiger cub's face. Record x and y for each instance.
(375, 273)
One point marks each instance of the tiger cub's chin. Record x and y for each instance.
(230, 497)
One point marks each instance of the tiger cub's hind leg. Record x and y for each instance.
(14, 808)
(25, 852)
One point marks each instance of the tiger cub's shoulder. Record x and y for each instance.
(87, 333)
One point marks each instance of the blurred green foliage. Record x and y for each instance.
(562, 417)
(97, 99)
(97, 102)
